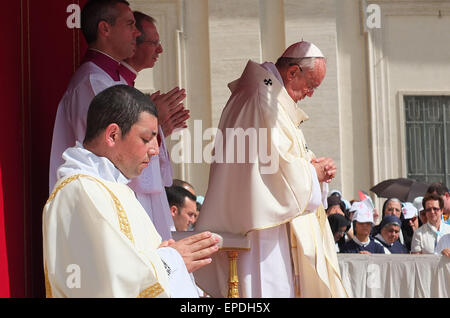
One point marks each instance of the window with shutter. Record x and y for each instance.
(427, 121)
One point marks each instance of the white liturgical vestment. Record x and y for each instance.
(271, 197)
(70, 126)
(98, 241)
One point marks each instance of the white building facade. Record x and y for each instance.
(382, 111)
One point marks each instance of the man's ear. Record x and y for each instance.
(103, 28)
(292, 72)
(173, 210)
(112, 134)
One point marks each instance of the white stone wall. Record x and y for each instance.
(356, 114)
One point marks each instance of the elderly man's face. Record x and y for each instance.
(148, 51)
(307, 81)
(123, 33)
(135, 149)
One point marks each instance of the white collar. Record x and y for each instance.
(79, 160)
(355, 239)
(434, 229)
(269, 66)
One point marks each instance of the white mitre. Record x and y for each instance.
(302, 49)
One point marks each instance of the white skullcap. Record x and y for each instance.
(302, 49)
(362, 213)
(409, 210)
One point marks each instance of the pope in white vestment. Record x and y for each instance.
(98, 72)
(276, 203)
(98, 241)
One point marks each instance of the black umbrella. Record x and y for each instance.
(404, 189)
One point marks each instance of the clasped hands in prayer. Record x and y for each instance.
(195, 249)
(171, 111)
(325, 168)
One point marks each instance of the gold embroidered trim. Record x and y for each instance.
(121, 214)
(48, 288)
(151, 292)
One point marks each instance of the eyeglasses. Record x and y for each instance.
(432, 209)
(301, 70)
(311, 88)
(152, 42)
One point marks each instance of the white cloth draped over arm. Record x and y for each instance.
(181, 283)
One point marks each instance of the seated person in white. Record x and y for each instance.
(93, 222)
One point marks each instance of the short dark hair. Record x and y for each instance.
(120, 104)
(139, 17)
(437, 187)
(433, 197)
(95, 11)
(181, 183)
(177, 196)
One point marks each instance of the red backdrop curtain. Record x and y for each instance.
(39, 57)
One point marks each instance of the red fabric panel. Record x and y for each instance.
(4, 273)
(12, 262)
(55, 53)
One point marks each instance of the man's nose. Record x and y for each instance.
(153, 150)
(159, 49)
(136, 32)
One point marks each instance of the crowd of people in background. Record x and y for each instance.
(418, 227)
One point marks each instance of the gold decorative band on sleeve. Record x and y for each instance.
(151, 292)
(48, 288)
(121, 214)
